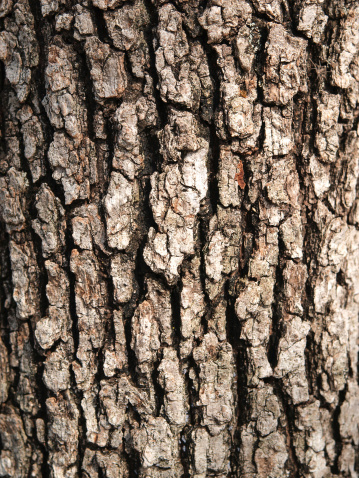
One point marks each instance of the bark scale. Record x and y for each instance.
(180, 244)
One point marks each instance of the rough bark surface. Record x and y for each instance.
(180, 240)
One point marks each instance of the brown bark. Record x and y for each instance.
(180, 244)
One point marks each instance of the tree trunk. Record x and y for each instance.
(180, 240)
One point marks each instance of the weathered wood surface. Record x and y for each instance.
(180, 243)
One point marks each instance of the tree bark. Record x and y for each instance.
(180, 243)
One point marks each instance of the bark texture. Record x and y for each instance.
(180, 240)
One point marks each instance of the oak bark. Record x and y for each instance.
(180, 238)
